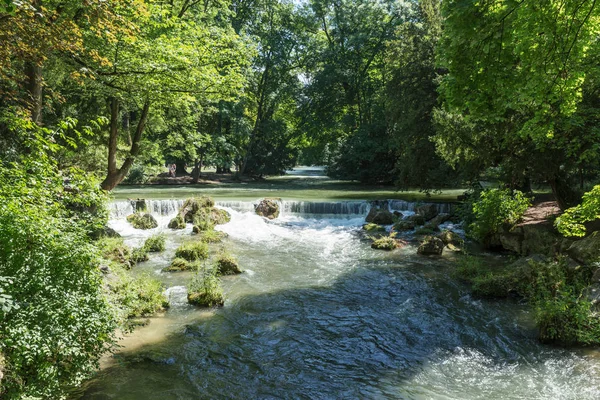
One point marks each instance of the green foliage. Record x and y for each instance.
(135, 295)
(55, 322)
(553, 287)
(156, 243)
(212, 236)
(177, 222)
(370, 227)
(495, 209)
(205, 289)
(114, 249)
(139, 254)
(192, 251)
(570, 223)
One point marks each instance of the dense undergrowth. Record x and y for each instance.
(553, 287)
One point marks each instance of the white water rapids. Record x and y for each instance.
(318, 314)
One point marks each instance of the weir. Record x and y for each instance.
(120, 209)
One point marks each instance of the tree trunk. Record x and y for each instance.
(564, 195)
(181, 171)
(196, 171)
(114, 175)
(33, 72)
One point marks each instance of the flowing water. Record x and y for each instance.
(318, 314)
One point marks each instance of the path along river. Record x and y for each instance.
(318, 314)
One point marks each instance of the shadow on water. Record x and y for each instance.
(385, 330)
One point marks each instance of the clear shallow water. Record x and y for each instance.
(320, 315)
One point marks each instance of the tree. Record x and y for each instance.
(517, 71)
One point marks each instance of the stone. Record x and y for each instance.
(586, 250)
(142, 221)
(417, 219)
(380, 216)
(177, 223)
(404, 225)
(373, 228)
(449, 237)
(384, 243)
(227, 265)
(192, 206)
(428, 211)
(431, 246)
(268, 208)
(439, 219)
(178, 264)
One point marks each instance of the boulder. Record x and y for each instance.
(104, 232)
(431, 246)
(380, 216)
(179, 264)
(142, 221)
(268, 208)
(529, 238)
(439, 219)
(384, 243)
(227, 265)
(192, 206)
(586, 250)
(451, 238)
(404, 225)
(417, 219)
(177, 223)
(428, 211)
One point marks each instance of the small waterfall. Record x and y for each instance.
(123, 208)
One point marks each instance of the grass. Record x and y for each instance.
(156, 243)
(192, 251)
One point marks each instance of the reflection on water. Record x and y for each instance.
(319, 315)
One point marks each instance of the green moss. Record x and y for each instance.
(205, 289)
(177, 223)
(373, 228)
(384, 243)
(227, 265)
(219, 217)
(202, 223)
(180, 264)
(425, 231)
(156, 243)
(212, 236)
(192, 251)
(142, 221)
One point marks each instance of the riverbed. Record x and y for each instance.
(318, 314)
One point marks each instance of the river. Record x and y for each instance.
(318, 314)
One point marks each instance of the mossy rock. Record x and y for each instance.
(268, 208)
(587, 250)
(206, 299)
(179, 264)
(373, 228)
(192, 251)
(424, 231)
(417, 219)
(228, 265)
(142, 221)
(156, 243)
(114, 249)
(380, 216)
(431, 246)
(451, 238)
(403, 225)
(202, 225)
(384, 243)
(177, 223)
(219, 216)
(192, 206)
(212, 236)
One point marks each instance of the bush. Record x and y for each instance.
(156, 243)
(192, 251)
(55, 321)
(570, 223)
(496, 209)
(136, 175)
(205, 289)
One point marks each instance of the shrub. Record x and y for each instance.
(570, 223)
(205, 289)
(192, 251)
(156, 243)
(496, 209)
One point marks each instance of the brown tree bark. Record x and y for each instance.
(34, 84)
(114, 175)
